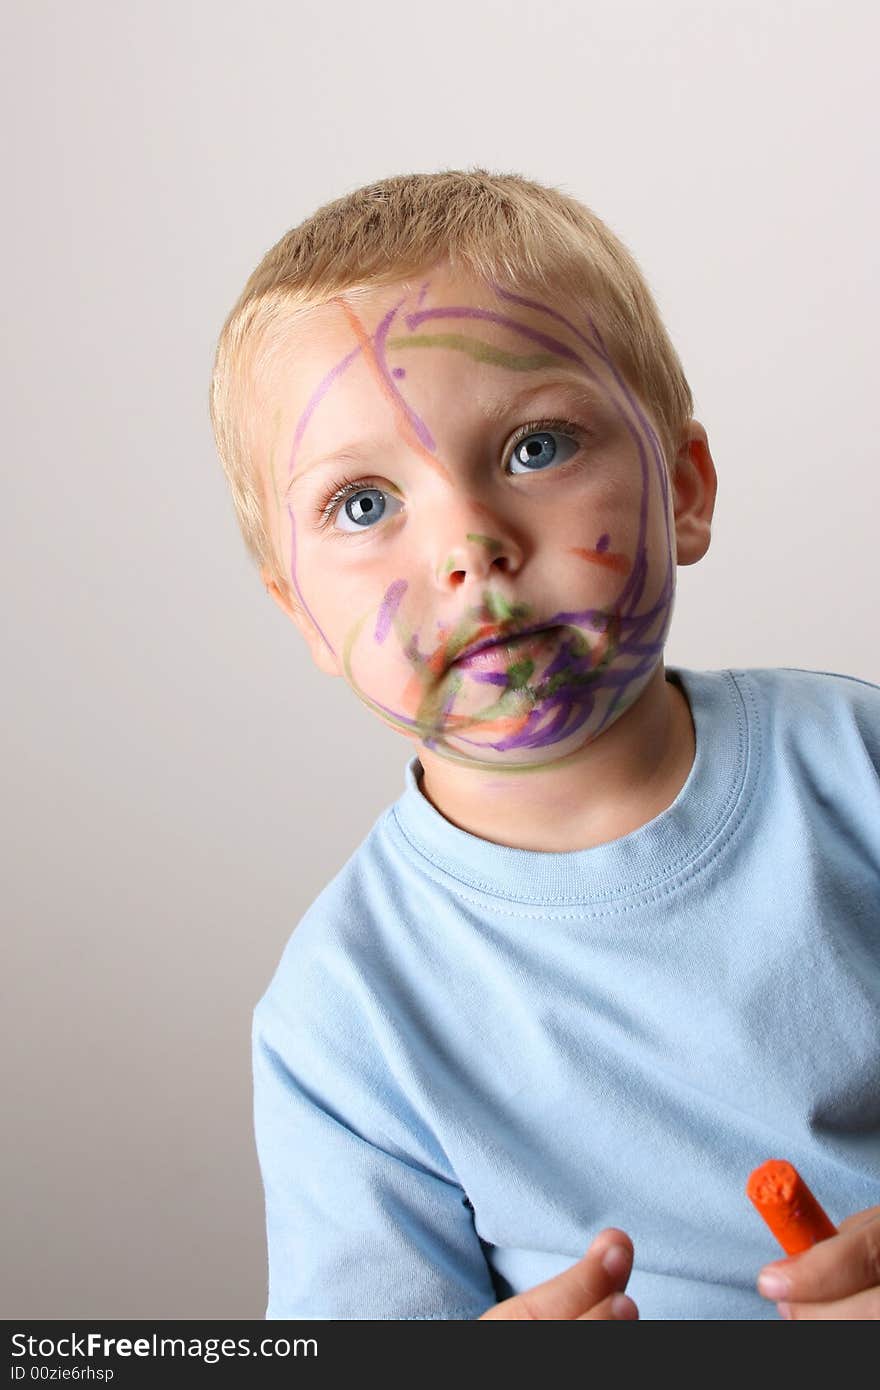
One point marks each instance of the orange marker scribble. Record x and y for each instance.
(611, 559)
(504, 724)
(403, 423)
(788, 1206)
(412, 694)
(436, 663)
(438, 660)
(440, 657)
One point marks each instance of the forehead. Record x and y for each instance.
(406, 326)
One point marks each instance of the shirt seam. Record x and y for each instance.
(670, 878)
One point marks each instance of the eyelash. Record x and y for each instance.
(344, 486)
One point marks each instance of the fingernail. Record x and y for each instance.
(615, 1261)
(773, 1285)
(623, 1307)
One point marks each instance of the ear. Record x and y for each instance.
(322, 656)
(695, 484)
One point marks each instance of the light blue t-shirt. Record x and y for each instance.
(472, 1058)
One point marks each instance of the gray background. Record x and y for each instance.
(169, 815)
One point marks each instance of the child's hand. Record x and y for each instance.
(590, 1289)
(838, 1278)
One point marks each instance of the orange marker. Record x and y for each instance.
(788, 1206)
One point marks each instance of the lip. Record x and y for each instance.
(493, 649)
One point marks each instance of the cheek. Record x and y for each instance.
(612, 494)
(380, 626)
(606, 518)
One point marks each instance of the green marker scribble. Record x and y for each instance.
(518, 674)
(351, 638)
(502, 609)
(488, 541)
(491, 544)
(479, 351)
(499, 609)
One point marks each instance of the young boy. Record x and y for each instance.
(616, 943)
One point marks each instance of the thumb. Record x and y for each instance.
(602, 1271)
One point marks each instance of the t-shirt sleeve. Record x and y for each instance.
(364, 1218)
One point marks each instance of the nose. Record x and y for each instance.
(478, 554)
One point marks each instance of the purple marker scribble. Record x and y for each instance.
(324, 385)
(319, 392)
(553, 314)
(393, 594)
(444, 713)
(569, 707)
(489, 677)
(294, 578)
(423, 434)
(610, 363)
(603, 543)
(633, 589)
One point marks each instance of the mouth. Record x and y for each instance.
(492, 650)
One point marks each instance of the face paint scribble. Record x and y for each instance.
(491, 544)
(390, 604)
(537, 703)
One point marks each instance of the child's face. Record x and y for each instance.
(456, 531)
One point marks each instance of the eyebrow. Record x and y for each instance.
(578, 389)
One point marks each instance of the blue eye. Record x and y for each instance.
(364, 507)
(537, 450)
(354, 502)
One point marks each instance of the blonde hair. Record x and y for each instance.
(505, 227)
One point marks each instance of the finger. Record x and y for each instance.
(618, 1308)
(836, 1268)
(864, 1306)
(861, 1218)
(602, 1271)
